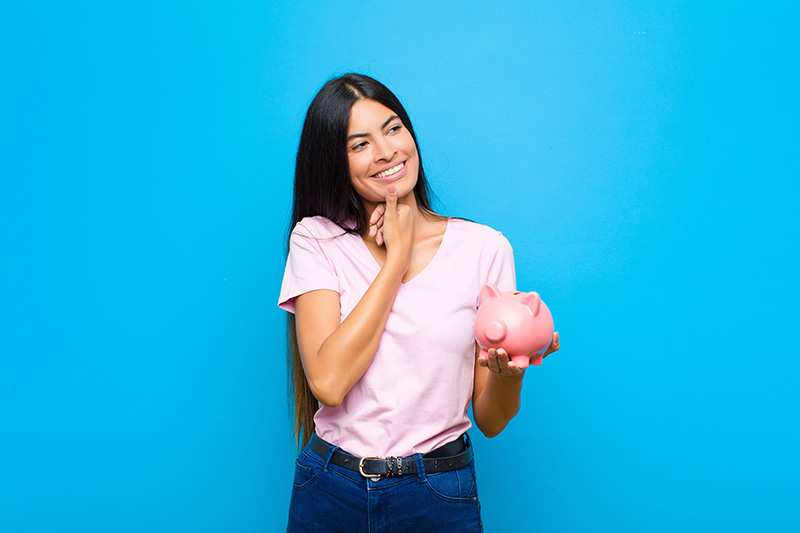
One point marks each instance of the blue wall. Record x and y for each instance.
(641, 158)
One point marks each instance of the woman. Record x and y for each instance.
(384, 293)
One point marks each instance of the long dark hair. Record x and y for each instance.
(322, 188)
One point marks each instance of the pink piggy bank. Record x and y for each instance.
(518, 322)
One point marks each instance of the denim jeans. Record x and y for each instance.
(328, 498)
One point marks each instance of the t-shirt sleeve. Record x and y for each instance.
(498, 265)
(307, 268)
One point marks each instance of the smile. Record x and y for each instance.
(390, 172)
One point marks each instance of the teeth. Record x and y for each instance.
(389, 172)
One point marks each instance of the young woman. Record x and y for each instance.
(383, 294)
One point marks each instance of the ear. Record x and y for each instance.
(532, 301)
(489, 291)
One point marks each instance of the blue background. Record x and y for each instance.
(641, 158)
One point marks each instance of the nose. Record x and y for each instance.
(383, 149)
(496, 330)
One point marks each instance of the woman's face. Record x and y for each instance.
(380, 152)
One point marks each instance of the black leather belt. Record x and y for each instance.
(451, 456)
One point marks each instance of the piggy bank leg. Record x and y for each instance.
(521, 361)
(536, 360)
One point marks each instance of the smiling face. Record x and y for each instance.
(380, 152)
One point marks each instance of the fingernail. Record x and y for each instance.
(391, 189)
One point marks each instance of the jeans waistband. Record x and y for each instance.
(451, 456)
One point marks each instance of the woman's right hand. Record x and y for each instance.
(392, 224)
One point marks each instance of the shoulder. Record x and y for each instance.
(477, 234)
(317, 227)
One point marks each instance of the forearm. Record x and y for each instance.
(347, 352)
(497, 403)
(335, 355)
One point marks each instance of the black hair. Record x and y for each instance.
(322, 176)
(322, 187)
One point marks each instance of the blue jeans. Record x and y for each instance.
(328, 498)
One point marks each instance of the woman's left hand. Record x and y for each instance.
(498, 362)
(554, 346)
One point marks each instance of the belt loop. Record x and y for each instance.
(327, 460)
(420, 468)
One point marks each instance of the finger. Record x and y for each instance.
(377, 213)
(491, 353)
(494, 364)
(379, 237)
(502, 359)
(556, 344)
(390, 222)
(391, 200)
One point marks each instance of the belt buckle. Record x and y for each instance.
(373, 477)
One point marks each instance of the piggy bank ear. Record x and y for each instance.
(489, 291)
(532, 302)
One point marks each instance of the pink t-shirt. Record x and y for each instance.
(414, 396)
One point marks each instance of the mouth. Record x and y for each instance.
(390, 174)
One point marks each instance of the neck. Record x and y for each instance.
(421, 218)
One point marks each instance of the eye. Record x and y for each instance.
(395, 129)
(358, 147)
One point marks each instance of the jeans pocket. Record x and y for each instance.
(306, 471)
(455, 486)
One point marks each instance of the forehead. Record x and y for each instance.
(368, 114)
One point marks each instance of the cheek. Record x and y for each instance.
(355, 165)
(413, 170)
(360, 181)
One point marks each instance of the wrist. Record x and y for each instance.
(394, 269)
(396, 261)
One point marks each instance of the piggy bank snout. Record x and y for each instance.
(495, 331)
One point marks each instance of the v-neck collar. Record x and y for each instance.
(427, 267)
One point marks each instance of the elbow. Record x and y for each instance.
(330, 401)
(493, 423)
(490, 432)
(328, 394)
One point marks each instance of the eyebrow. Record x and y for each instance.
(356, 135)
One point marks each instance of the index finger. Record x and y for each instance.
(391, 197)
